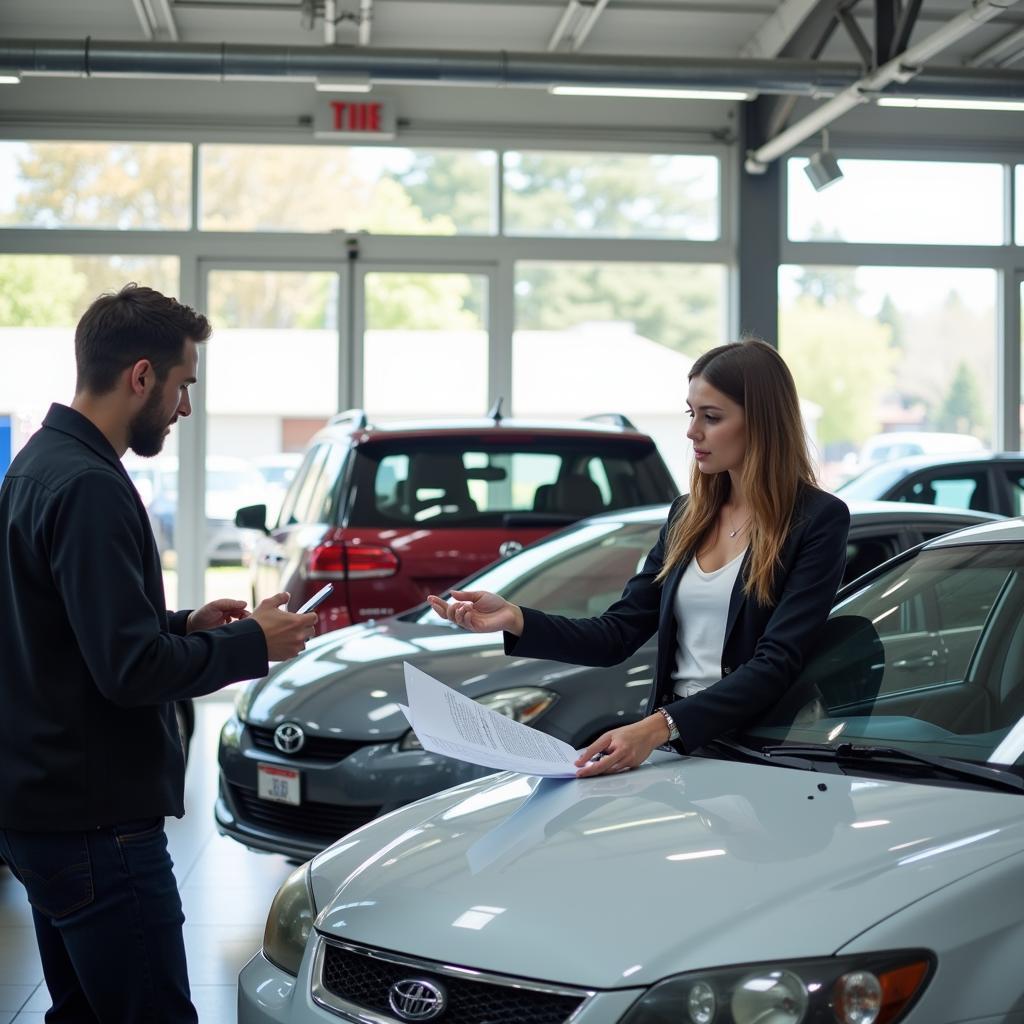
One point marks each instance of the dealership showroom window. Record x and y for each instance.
(458, 258)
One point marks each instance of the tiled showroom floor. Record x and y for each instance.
(226, 891)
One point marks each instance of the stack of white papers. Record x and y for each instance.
(447, 722)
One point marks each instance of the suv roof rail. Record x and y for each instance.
(356, 416)
(615, 418)
(495, 411)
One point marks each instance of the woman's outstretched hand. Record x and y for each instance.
(480, 612)
(623, 748)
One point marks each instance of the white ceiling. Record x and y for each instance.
(684, 28)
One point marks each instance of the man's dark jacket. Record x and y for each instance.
(765, 645)
(89, 658)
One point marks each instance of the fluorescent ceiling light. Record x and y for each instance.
(344, 83)
(929, 104)
(9, 79)
(640, 93)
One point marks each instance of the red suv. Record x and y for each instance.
(390, 514)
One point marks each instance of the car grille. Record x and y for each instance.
(364, 980)
(316, 748)
(310, 820)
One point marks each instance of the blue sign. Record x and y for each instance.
(5, 443)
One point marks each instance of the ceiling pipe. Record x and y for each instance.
(568, 15)
(901, 69)
(230, 62)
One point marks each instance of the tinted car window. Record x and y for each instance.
(921, 656)
(863, 553)
(298, 485)
(949, 489)
(479, 483)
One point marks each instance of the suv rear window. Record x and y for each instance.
(478, 482)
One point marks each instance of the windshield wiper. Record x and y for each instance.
(738, 750)
(994, 777)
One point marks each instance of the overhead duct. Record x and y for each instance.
(901, 70)
(230, 62)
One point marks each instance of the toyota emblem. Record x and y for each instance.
(417, 999)
(289, 738)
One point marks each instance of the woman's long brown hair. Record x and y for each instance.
(776, 464)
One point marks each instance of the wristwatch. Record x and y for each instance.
(673, 732)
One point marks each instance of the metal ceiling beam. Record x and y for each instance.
(902, 69)
(365, 21)
(143, 15)
(168, 14)
(1002, 52)
(887, 13)
(773, 36)
(576, 23)
(908, 19)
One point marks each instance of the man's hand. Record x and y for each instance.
(216, 613)
(286, 632)
(623, 748)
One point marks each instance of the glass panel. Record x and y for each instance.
(611, 195)
(625, 334)
(898, 201)
(123, 185)
(896, 361)
(386, 190)
(41, 301)
(425, 345)
(272, 382)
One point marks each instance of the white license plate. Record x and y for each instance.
(279, 784)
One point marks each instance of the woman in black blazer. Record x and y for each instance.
(741, 579)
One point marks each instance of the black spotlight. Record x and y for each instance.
(823, 167)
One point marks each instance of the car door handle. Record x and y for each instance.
(925, 661)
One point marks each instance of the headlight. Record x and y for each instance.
(525, 704)
(290, 921)
(874, 988)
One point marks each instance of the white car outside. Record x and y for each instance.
(855, 857)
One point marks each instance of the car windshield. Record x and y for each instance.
(577, 572)
(872, 483)
(927, 657)
(481, 482)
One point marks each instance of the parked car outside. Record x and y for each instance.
(327, 726)
(897, 444)
(230, 482)
(855, 856)
(278, 471)
(390, 514)
(986, 482)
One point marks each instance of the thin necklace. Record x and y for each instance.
(740, 527)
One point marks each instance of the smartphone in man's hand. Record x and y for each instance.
(316, 600)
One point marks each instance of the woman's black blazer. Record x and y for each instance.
(764, 646)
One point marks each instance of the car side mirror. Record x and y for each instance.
(252, 517)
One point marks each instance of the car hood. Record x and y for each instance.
(350, 682)
(686, 863)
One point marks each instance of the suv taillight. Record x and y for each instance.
(337, 560)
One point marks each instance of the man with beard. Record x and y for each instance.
(90, 660)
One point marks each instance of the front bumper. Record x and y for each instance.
(337, 796)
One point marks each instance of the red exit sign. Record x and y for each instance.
(345, 118)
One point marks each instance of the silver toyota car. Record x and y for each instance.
(857, 856)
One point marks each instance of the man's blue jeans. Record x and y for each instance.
(108, 922)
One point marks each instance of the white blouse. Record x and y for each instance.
(702, 608)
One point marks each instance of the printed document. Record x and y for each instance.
(450, 723)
